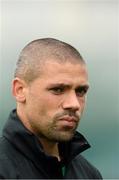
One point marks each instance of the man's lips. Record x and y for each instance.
(69, 119)
(69, 122)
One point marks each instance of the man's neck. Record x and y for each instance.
(51, 148)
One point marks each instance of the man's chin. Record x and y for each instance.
(58, 136)
(62, 137)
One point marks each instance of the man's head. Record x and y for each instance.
(50, 87)
(37, 52)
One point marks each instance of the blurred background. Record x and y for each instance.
(92, 26)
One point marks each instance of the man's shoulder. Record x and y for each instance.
(7, 151)
(3, 155)
(3, 147)
(81, 168)
(7, 165)
(82, 162)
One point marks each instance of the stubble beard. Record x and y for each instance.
(57, 135)
(52, 132)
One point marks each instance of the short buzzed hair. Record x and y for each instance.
(38, 51)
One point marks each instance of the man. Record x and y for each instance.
(40, 140)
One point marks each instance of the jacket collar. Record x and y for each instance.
(29, 145)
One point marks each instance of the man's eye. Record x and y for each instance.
(57, 90)
(81, 92)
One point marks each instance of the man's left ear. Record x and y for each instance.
(19, 89)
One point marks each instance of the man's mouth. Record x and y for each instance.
(69, 121)
(69, 118)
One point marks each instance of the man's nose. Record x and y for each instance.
(71, 101)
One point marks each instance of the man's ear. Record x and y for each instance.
(19, 89)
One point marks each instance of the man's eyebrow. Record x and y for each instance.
(68, 85)
(59, 84)
(85, 86)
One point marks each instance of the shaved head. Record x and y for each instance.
(37, 52)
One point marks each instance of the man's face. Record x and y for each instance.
(55, 101)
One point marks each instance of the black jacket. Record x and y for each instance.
(22, 156)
